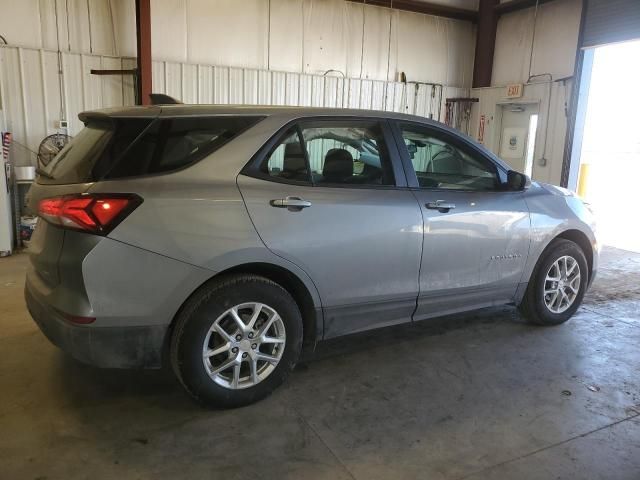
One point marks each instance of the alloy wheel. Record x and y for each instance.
(244, 345)
(562, 284)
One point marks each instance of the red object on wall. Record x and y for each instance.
(483, 119)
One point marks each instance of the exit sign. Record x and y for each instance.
(514, 91)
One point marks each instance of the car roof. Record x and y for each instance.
(182, 110)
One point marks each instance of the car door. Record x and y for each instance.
(476, 232)
(331, 196)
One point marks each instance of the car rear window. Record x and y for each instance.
(130, 147)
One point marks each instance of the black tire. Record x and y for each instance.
(198, 315)
(533, 305)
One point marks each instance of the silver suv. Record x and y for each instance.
(223, 239)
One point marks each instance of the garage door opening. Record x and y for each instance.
(609, 160)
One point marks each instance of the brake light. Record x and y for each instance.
(95, 213)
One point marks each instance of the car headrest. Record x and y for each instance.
(338, 165)
(294, 165)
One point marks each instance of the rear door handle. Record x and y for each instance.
(440, 205)
(293, 204)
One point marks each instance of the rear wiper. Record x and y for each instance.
(39, 171)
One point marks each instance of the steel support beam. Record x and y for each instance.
(515, 5)
(424, 7)
(485, 43)
(143, 37)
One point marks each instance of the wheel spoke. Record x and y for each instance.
(563, 297)
(265, 328)
(222, 332)
(555, 305)
(236, 375)
(265, 339)
(572, 268)
(555, 267)
(224, 366)
(236, 318)
(217, 351)
(254, 370)
(267, 358)
(552, 302)
(574, 285)
(256, 313)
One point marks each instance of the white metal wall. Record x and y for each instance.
(196, 83)
(304, 36)
(313, 36)
(31, 103)
(550, 139)
(554, 50)
(105, 27)
(30, 100)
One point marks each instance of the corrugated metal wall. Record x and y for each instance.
(230, 85)
(31, 101)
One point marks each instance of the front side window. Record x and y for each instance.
(440, 163)
(347, 152)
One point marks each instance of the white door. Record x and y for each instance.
(517, 136)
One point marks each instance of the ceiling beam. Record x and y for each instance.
(515, 5)
(424, 7)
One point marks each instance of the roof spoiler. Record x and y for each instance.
(162, 99)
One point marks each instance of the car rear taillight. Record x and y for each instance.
(94, 213)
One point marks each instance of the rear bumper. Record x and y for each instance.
(106, 347)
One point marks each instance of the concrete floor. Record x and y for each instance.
(480, 396)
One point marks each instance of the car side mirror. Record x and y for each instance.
(517, 181)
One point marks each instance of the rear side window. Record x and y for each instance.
(134, 147)
(92, 153)
(287, 162)
(331, 152)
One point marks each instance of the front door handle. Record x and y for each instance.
(440, 205)
(293, 204)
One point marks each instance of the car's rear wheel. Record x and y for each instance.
(558, 284)
(236, 340)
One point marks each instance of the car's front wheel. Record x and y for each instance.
(236, 340)
(558, 284)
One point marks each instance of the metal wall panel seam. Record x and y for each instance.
(84, 87)
(45, 96)
(25, 117)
